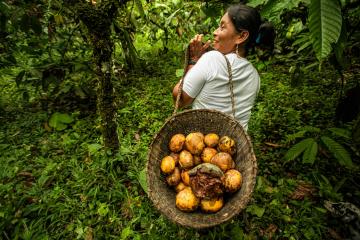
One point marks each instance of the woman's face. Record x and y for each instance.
(225, 36)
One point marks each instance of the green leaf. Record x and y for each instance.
(341, 132)
(103, 209)
(292, 137)
(126, 232)
(294, 29)
(339, 152)
(298, 148)
(273, 9)
(140, 8)
(4, 8)
(93, 148)
(310, 153)
(311, 129)
(255, 3)
(59, 121)
(325, 25)
(255, 210)
(179, 72)
(142, 180)
(169, 19)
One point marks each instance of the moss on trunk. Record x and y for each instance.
(98, 20)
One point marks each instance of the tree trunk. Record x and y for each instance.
(98, 20)
(102, 50)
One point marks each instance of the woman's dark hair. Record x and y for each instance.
(261, 34)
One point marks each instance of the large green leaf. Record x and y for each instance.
(298, 148)
(59, 121)
(339, 152)
(341, 132)
(310, 153)
(325, 25)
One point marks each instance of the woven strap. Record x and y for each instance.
(186, 62)
(230, 85)
(187, 54)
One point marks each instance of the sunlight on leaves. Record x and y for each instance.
(59, 121)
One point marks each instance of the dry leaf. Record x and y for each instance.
(275, 145)
(303, 190)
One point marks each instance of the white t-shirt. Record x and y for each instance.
(208, 83)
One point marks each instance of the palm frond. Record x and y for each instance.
(310, 153)
(298, 148)
(341, 132)
(292, 137)
(339, 152)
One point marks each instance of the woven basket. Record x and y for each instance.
(205, 121)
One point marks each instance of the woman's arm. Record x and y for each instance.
(185, 100)
(197, 49)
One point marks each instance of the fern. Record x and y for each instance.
(311, 129)
(339, 152)
(298, 148)
(310, 153)
(301, 133)
(325, 25)
(341, 132)
(292, 137)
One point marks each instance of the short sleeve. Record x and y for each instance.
(201, 72)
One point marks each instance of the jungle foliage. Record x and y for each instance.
(60, 180)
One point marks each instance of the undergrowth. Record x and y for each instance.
(63, 185)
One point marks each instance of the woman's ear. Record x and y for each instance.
(242, 37)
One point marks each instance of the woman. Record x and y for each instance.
(206, 83)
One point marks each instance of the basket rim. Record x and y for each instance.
(253, 176)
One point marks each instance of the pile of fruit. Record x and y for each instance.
(201, 169)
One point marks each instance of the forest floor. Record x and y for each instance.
(61, 184)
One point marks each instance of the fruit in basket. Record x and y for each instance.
(205, 181)
(223, 160)
(197, 160)
(174, 178)
(176, 157)
(185, 177)
(211, 140)
(200, 134)
(186, 159)
(194, 142)
(232, 180)
(227, 144)
(208, 153)
(186, 200)
(201, 169)
(212, 205)
(180, 187)
(177, 142)
(167, 165)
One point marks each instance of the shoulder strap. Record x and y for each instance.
(230, 85)
(182, 81)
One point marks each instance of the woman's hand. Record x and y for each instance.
(197, 48)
